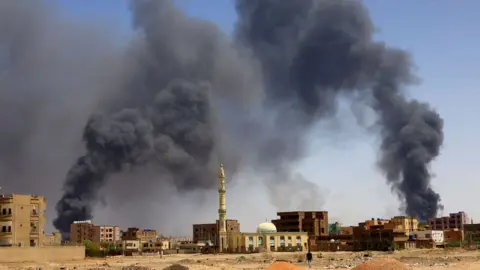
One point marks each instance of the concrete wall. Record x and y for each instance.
(41, 254)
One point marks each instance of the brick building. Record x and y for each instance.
(453, 221)
(315, 223)
(81, 231)
(209, 231)
(22, 220)
(145, 235)
(472, 233)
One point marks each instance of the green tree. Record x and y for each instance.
(92, 249)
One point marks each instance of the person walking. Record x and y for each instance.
(309, 259)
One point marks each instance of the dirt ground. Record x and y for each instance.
(416, 259)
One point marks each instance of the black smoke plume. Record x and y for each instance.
(314, 51)
(183, 97)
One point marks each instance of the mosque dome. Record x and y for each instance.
(266, 227)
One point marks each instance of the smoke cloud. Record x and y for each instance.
(314, 51)
(184, 97)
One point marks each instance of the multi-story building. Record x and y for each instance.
(209, 232)
(407, 224)
(453, 221)
(145, 235)
(315, 223)
(81, 231)
(22, 220)
(107, 233)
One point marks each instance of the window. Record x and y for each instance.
(4, 211)
(272, 241)
(9, 211)
(250, 240)
(4, 228)
(260, 240)
(9, 229)
(299, 241)
(282, 241)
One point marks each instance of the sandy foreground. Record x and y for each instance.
(416, 259)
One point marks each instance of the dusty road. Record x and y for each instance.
(417, 259)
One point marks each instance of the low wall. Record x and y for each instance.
(41, 254)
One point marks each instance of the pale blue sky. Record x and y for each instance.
(444, 38)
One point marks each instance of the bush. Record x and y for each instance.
(92, 249)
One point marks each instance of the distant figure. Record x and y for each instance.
(309, 259)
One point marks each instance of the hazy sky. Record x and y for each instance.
(443, 37)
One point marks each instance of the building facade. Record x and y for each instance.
(407, 224)
(106, 233)
(22, 220)
(54, 239)
(209, 232)
(472, 233)
(315, 223)
(453, 221)
(436, 236)
(453, 235)
(268, 239)
(81, 231)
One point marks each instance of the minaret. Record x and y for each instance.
(222, 211)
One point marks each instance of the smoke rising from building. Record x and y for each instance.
(313, 51)
(184, 97)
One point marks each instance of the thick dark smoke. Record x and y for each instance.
(313, 51)
(184, 97)
(53, 72)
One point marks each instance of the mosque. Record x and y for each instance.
(226, 236)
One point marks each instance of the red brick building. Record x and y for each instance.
(453, 221)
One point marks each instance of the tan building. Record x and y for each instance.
(22, 220)
(81, 231)
(54, 239)
(107, 233)
(209, 232)
(407, 224)
(268, 239)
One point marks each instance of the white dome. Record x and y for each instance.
(266, 227)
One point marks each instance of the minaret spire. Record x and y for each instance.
(222, 210)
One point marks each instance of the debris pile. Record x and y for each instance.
(176, 267)
(382, 264)
(283, 266)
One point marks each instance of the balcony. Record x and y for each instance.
(6, 217)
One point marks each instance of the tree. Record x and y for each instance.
(92, 249)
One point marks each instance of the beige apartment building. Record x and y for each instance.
(405, 223)
(81, 231)
(22, 220)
